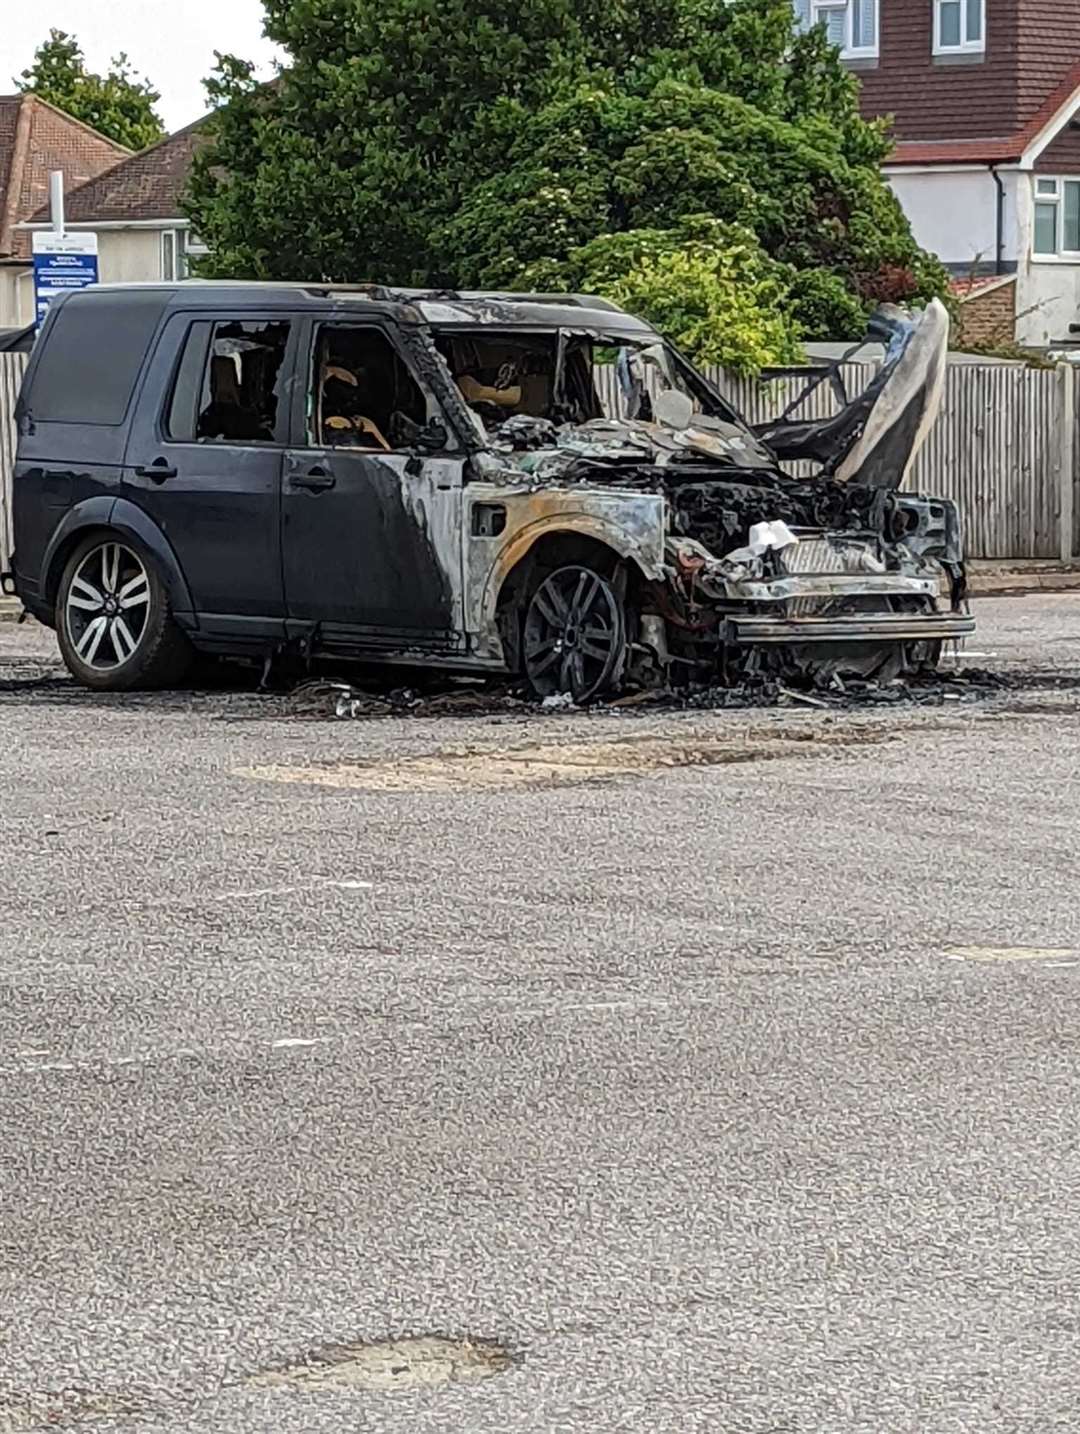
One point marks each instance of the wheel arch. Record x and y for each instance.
(545, 538)
(542, 548)
(117, 515)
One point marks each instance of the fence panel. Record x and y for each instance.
(996, 451)
(11, 372)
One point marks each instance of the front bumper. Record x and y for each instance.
(899, 627)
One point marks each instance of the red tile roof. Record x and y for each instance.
(144, 186)
(969, 288)
(35, 139)
(989, 151)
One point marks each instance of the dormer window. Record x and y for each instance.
(851, 25)
(959, 27)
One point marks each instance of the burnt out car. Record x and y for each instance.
(538, 485)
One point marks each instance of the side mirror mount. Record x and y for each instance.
(407, 435)
(432, 437)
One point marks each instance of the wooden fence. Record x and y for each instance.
(1006, 448)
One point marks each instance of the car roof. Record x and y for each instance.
(443, 308)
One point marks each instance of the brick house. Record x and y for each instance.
(985, 100)
(134, 208)
(36, 139)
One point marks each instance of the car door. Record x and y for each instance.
(205, 462)
(371, 531)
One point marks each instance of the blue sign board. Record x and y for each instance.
(62, 263)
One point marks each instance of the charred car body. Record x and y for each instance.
(501, 483)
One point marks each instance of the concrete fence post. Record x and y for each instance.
(1067, 379)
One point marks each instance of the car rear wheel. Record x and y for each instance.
(114, 620)
(575, 635)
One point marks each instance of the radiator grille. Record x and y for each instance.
(830, 555)
(818, 554)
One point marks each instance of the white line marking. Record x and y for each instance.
(293, 1042)
(317, 884)
(1043, 956)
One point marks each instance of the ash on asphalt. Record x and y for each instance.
(232, 693)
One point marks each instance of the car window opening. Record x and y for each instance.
(240, 394)
(362, 394)
(552, 375)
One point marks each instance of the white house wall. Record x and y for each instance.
(1048, 302)
(953, 213)
(1048, 290)
(129, 256)
(9, 307)
(16, 296)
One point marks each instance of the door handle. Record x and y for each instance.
(59, 474)
(315, 480)
(158, 471)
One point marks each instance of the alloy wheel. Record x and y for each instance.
(107, 606)
(575, 634)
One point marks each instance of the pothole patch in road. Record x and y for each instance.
(68, 1407)
(384, 1366)
(1039, 955)
(566, 762)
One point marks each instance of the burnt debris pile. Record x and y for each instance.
(322, 700)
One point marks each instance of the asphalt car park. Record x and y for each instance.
(717, 1074)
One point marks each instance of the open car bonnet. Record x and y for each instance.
(876, 438)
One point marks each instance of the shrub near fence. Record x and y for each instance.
(1006, 448)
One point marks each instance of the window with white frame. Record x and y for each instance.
(1057, 217)
(851, 25)
(169, 255)
(959, 27)
(176, 250)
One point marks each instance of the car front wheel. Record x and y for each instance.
(575, 635)
(114, 620)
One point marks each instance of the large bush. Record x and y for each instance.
(705, 142)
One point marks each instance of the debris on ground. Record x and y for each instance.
(342, 700)
(339, 699)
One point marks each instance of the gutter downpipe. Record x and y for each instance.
(999, 257)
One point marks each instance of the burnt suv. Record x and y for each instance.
(497, 483)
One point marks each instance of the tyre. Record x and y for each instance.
(574, 635)
(114, 619)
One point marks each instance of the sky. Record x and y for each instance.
(171, 42)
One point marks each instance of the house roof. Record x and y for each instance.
(35, 139)
(1003, 150)
(144, 186)
(965, 289)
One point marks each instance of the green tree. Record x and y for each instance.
(117, 104)
(706, 145)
